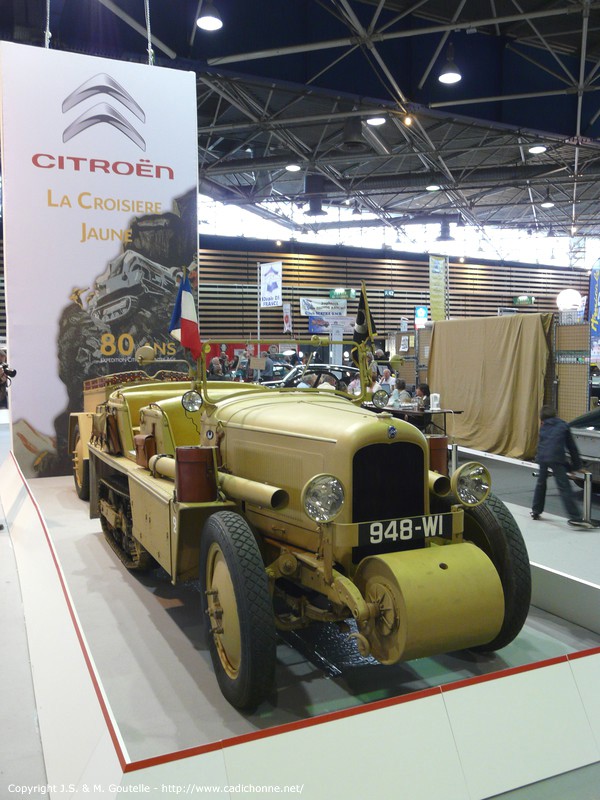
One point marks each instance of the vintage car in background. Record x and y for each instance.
(342, 376)
(299, 507)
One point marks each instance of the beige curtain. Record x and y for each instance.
(492, 369)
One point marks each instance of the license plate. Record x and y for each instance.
(398, 534)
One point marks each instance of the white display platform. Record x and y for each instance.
(565, 567)
(102, 708)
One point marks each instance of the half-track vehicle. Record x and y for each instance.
(296, 507)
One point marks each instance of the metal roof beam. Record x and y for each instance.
(371, 39)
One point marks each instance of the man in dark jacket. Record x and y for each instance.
(554, 441)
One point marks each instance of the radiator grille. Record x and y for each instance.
(388, 482)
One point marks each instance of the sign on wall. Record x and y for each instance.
(319, 307)
(99, 179)
(271, 284)
(594, 313)
(438, 287)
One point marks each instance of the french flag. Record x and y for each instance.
(184, 322)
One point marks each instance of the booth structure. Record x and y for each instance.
(111, 674)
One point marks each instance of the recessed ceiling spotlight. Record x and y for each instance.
(536, 149)
(375, 121)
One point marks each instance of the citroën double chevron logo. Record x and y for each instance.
(104, 112)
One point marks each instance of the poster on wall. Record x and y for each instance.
(438, 287)
(594, 313)
(326, 324)
(271, 284)
(100, 220)
(319, 307)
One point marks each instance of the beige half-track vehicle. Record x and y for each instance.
(295, 507)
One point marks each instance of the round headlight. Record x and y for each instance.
(471, 483)
(323, 498)
(192, 401)
(380, 398)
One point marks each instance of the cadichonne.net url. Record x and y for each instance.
(238, 788)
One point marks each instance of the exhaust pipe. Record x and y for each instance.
(254, 492)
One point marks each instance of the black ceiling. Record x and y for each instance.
(295, 80)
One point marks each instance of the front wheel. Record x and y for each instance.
(237, 606)
(494, 530)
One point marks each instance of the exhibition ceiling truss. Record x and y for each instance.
(274, 93)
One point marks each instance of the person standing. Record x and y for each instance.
(555, 441)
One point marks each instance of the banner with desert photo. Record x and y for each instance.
(99, 167)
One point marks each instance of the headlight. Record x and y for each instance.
(323, 498)
(471, 483)
(192, 401)
(380, 398)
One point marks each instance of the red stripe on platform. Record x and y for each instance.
(505, 673)
(78, 632)
(287, 727)
(276, 730)
(593, 651)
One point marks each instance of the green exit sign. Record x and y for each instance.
(524, 300)
(342, 294)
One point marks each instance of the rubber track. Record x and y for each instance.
(144, 561)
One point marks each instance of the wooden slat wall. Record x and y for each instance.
(228, 287)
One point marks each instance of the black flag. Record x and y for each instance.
(364, 327)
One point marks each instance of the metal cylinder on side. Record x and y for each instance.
(433, 600)
(195, 474)
(438, 453)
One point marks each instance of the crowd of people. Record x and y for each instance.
(381, 377)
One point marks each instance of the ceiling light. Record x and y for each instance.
(547, 201)
(433, 187)
(568, 299)
(375, 121)
(408, 121)
(535, 149)
(209, 18)
(293, 167)
(449, 72)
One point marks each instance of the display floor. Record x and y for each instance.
(147, 646)
(146, 640)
